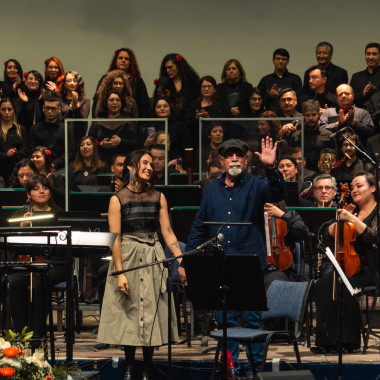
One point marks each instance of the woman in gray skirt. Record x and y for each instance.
(134, 312)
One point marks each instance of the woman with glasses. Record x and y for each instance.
(115, 136)
(29, 104)
(205, 106)
(13, 139)
(125, 60)
(54, 73)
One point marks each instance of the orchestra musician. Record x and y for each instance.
(362, 214)
(296, 230)
(39, 201)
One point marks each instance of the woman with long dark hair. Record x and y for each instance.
(23, 170)
(13, 139)
(87, 164)
(184, 78)
(125, 60)
(41, 158)
(13, 77)
(134, 312)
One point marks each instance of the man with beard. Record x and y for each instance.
(367, 82)
(117, 168)
(288, 102)
(316, 138)
(347, 115)
(238, 196)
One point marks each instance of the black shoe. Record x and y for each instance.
(129, 373)
(147, 375)
(102, 346)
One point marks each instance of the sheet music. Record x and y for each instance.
(332, 258)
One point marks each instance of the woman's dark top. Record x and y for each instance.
(234, 95)
(13, 140)
(139, 211)
(30, 112)
(85, 177)
(127, 131)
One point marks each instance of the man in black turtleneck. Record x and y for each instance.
(51, 133)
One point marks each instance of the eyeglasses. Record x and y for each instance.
(48, 108)
(238, 154)
(347, 144)
(284, 100)
(320, 188)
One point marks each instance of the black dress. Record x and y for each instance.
(327, 308)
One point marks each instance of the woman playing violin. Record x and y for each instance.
(362, 215)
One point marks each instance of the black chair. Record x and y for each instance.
(285, 300)
(369, 291)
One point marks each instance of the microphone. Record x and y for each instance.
(337, 132)
(213, 241)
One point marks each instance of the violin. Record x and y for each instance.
(345, 237)
(278, 254)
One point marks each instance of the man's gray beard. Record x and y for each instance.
(234, 171)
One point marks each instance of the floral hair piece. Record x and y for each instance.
(61, 78)
(5, 63)
(171, 105)
(96, 142)
(25, 75)
(47, 152)
(46, 61)
(155, 81)
(178, 57)
(117, 51)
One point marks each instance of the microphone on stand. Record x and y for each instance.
(215, 240)
(337, 132)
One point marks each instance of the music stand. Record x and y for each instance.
(225, 282)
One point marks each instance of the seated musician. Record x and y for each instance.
(39, 201)
(296, 231)
(362, 214)
(324, 190)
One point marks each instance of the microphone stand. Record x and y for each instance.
(169, 289)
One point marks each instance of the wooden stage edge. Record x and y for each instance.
(85, 341)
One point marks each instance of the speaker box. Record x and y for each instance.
(282, 375)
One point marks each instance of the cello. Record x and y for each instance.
(345, 237)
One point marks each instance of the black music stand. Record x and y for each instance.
(225, 282)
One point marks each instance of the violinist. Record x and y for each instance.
(353, 165)
(362, 214)
(295, 230)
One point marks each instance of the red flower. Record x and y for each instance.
(48, 378)
(47, 152)
(7, 371)
(25, 75)
(117, 51)
(61, 78)
(178, 57)
(155, 81)
(11, 351)
(5, 63)
(96, 142)
(46, 61)
(171, 105)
